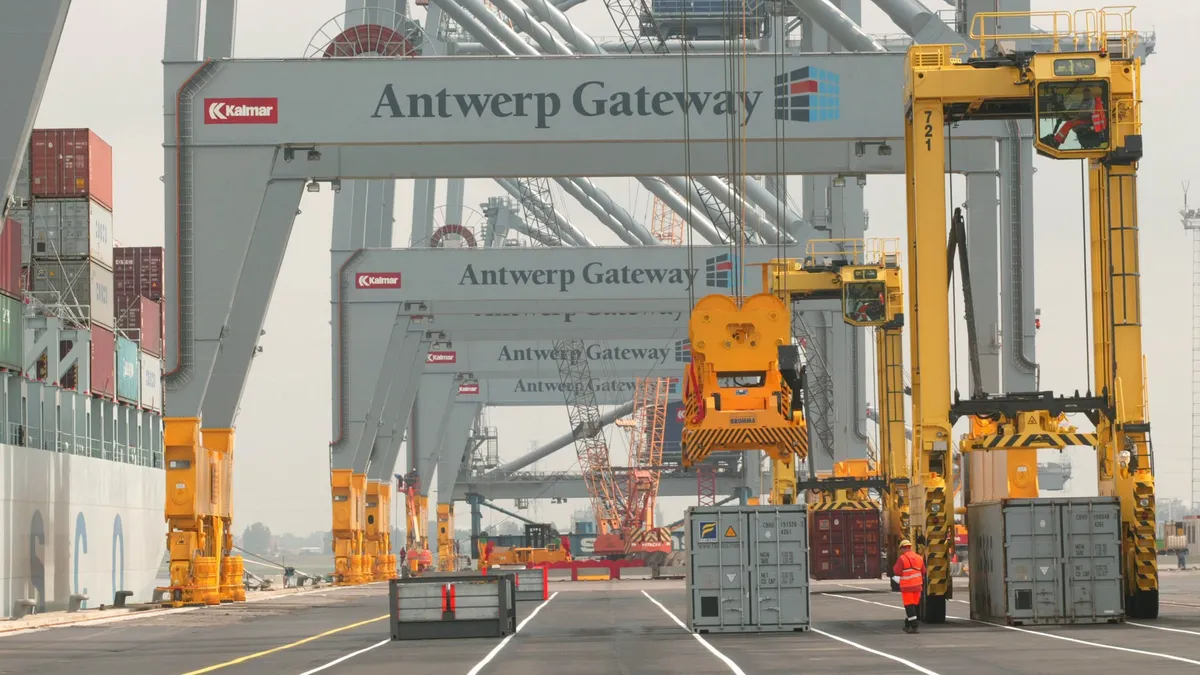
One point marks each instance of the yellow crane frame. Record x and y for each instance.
(941, 90)
(865, 275)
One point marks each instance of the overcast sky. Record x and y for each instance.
(108, 76)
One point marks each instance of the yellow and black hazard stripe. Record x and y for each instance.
(844, 505)
(656, 535)
(1033, 440)
(699, 443)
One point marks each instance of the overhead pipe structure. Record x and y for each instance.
(608, 219)
(720, 219)
(721, 190)
(574, 235)
(475, 18)
(698, 47)
(584, 43)
(659, 188)
(560, 442)
(835, 22)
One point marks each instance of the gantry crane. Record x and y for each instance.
(1057, 92)
(865, 276)
(418, 557)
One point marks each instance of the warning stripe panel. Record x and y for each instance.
(1035, 440)
(845, 505)
(699, 443)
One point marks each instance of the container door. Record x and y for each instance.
(779, 557)
(100, 226)
(865, 560)
(1033, 546)
(1093, 559)
(719, 575)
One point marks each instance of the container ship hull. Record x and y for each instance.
(77, 524)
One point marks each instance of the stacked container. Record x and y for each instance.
(70, 244)
(138, 279)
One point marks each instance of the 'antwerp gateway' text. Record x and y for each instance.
(590, 99)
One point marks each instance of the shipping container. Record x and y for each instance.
(10, 258)
(23, 218)
(72, 229)
(845, 544)
(672, 450)
(1046, 561)
(104, 362)
(84, 288)
(138, 270)
(152, 393)
(128, 365)
(12, 333)
(747, 569)
(67, 163)
(141, 319)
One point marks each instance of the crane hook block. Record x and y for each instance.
(735, 397)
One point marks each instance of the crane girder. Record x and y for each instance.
(1084, 105)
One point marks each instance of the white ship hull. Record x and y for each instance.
(74, 524)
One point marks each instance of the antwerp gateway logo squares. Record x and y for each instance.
(808, 95)
(718, 270)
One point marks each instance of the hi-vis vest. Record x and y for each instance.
(1099, 120)
(911, 569)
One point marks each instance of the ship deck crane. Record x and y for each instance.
(1046, 88)
(865, 276)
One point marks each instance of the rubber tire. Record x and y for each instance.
(1142, 605)
(932, 609)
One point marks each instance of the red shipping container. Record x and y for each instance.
(845, 544)
(141, 319)
(10, 258)
(67, 163)
(104, 362)
(138, 270)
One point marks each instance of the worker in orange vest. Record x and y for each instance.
(1090, 116)
(909, 573)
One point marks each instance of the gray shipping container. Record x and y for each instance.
(72, 229)
(748, 569)
(84, 288)
(1046, 561)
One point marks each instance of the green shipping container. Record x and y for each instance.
(12, 333)
(128, 383)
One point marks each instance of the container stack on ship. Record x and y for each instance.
(82, 394)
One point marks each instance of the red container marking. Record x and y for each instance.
(66, 163)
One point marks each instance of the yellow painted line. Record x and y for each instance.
(249, 657)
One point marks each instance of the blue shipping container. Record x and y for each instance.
(128, 382)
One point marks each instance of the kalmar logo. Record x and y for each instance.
(442, 357)
(241, 111)
(377, 280)
(469, 388)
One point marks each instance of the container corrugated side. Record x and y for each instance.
(104, 362)
(70, 163)
(12, 333)
(72, 229)
(10, 258)
(138, 270)
(128, 365)
(779, 552)
(151, 394)
(846, 544)
(141, 319)
(84, 286)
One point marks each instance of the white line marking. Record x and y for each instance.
(496, 650)
(1059, 637)
(715, 652)
(869, 602)
(1173, 630)
(861, 588)
(885, 655)
(346, 657)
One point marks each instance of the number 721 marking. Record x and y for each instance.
(929, 130)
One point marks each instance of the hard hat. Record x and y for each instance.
(905, 544)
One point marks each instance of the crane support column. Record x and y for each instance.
(928, 271)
